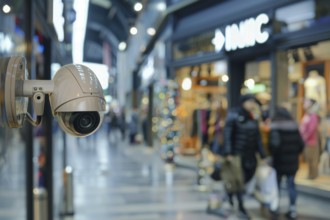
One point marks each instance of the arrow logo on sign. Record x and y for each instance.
(219, 40)
(6, 43)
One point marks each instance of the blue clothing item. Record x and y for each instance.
(291, 187)
(134, 124)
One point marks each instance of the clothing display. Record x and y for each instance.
(200, 125)
(315, 88)
(206, 125)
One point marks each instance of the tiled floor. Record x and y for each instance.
(12, 179)
(115, 181)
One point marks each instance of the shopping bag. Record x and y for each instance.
(232, 175)
(266, 190)
(250, 186)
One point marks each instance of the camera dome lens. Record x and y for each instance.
(85, 122)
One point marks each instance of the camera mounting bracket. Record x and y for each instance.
(14, 108)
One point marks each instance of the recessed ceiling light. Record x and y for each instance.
(102, 3)
(186, 84)
(138, 6)
(161, 6)
(6, 9)
(133, 30)
(151, 31)
(122, 46)
(225, 78)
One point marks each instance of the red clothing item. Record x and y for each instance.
(309, 129)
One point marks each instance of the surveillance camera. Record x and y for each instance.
(75, 95)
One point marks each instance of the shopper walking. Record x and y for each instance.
(241, 143)
(286, 144)
(309, 131)
(113, 125)
(133, 126)
(122, 123)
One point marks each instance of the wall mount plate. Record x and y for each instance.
(12, 109)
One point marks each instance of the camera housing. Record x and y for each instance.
(75, 95)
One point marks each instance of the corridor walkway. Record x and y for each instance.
(121, 182)
(116, 181)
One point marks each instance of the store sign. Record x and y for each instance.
(6, 43)
(245, 34)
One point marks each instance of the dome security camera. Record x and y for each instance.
(75, 94)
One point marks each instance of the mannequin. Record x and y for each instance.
(315, 88)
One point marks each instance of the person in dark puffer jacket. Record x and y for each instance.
(286, 144)
(242, 138)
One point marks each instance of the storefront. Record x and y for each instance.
(26, 32)
(152, 78)
(267, 48)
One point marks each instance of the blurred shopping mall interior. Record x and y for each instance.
(162, 65)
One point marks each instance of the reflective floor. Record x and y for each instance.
(116, 181)
(12, 177)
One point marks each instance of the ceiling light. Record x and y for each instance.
(133, 30)
(249, 83)
(186, 84)
(138, 6)
(6, 9)
(79, 30)
(225, 78)
(122, 46)
(161, 6)
(151, 31)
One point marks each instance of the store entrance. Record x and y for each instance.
(202, 104)
(251, 76)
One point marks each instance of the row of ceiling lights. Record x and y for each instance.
(133, 30)
(150, 31)
(122, 45)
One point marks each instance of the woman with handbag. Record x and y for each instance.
(286, 144)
